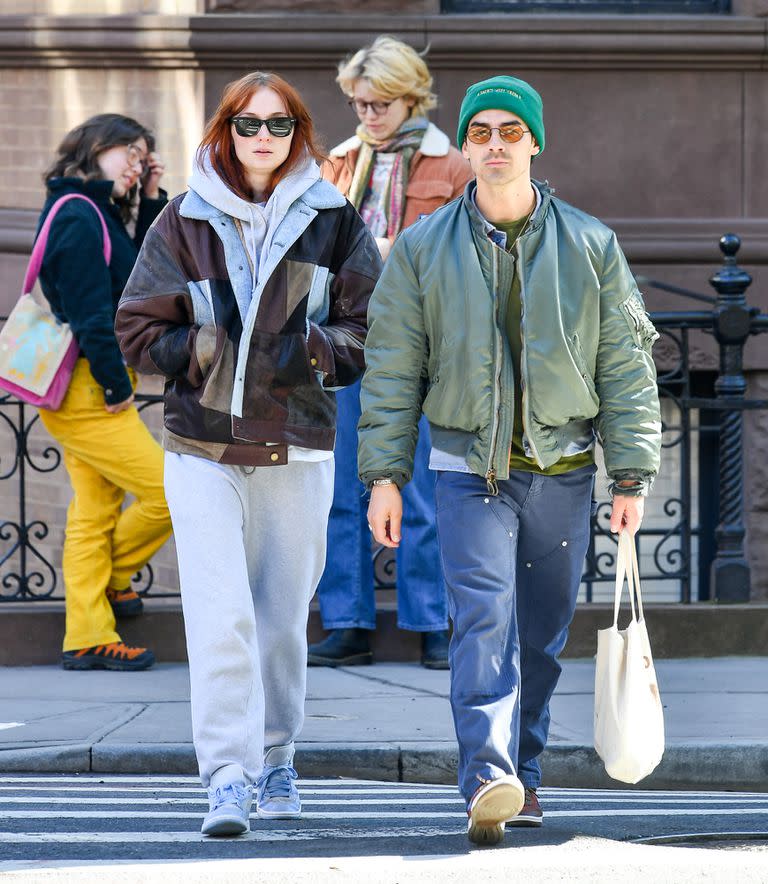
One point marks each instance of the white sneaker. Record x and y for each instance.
(495, 802)
(277, 797)
(230, 808)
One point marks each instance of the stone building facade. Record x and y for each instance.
(657, 124)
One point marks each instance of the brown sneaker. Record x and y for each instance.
(495, 802)
(531, 814)
(125, 602)
(116, 656)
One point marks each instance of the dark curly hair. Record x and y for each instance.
(79, 150)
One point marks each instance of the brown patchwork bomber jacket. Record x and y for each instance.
(246, 368)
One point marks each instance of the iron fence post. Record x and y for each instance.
(732, 322)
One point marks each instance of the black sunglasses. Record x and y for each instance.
(280, 127)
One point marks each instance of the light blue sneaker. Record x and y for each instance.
(277, 797)
(230, 808)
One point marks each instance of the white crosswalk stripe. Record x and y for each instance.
(165, 810)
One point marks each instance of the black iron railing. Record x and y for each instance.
(731, 321)
(27, 573)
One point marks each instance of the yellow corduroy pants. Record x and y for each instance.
(106, 455)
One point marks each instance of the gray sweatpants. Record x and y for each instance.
(251, 549)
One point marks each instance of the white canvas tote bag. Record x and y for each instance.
(629, 719)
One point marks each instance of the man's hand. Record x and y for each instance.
(385, 514)
(627, 513)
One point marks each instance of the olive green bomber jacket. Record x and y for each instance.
(436, 343)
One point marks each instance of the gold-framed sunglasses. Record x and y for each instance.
(511, 133)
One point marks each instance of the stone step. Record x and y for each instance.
(31, 633)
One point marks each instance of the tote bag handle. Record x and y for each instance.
(36, 258)
(626, 565)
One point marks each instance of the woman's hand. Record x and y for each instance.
(150, 182)
(119, 406)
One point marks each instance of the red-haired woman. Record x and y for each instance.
(250, 296)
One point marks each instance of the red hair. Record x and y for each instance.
(217, 138)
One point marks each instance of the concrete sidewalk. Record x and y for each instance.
(389, 721)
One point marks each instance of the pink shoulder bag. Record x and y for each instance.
(37, 352)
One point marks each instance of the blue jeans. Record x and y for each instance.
(512, 566)
(346, 589)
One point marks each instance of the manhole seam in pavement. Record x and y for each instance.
(700, 838)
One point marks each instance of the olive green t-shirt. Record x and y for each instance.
(517, 457)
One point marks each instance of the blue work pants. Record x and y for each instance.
(512, 564)
(346, 591)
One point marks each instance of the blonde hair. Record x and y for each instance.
(394, 70)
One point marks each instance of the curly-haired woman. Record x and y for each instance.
(107, 450)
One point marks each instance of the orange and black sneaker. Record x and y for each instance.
(125, 602)
(116, 656)
(531, 814)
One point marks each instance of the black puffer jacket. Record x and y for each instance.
(80, 287)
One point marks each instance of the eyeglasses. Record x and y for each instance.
(360, 107)
(511, 133)
(136, 157)
(280, 127)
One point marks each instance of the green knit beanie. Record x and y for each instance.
(503, 93)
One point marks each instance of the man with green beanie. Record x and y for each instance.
(511, 319)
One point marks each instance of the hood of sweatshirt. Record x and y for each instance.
(259, 221)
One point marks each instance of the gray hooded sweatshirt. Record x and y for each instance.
(259, 221)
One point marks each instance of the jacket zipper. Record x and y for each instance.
(490, 476)
(523, 355)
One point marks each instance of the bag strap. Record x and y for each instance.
(636, 572)
(36, 258)
(626, 566)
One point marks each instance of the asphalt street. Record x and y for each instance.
(54, 825)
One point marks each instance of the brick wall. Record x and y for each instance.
(38, 107)
(100, 7)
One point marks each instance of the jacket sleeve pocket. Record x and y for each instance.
(640, 325)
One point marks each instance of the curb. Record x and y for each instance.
(67, 758)
(741, 766)
(712, 767)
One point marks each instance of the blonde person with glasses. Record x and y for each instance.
(397, 168)
(107, 450)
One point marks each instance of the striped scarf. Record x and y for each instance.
(405, 142)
